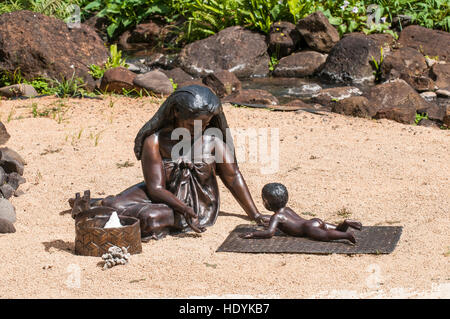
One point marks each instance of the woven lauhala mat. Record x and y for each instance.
(370, 240)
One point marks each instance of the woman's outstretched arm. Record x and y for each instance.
(232, 178)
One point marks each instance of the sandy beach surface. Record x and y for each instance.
(382, 172)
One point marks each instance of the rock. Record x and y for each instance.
(99, 25)
(401, 21)
(403, 61)
(16, 90)
(446, 118)
(192, 82)
(353, 106)
(300, 64)
(162, 61)
(299, 103)
(6, 151)
(318, 32)
(410, 65)
(42, 46)
(117, 80)
(3, 176)
(144, 35)
(223, 83)
(7, 211)
(7, 191)
(443, 93)
(137, 67)
(327, 96)
(350, 61)
(145, 32)
(154, 81)
(430, 42)
(15, 180)
(428, 123)
(396, 100)
(434, 111)
(251, 96)
(384, 40)
(11, 165)
(6, 227)
(421, 83)
(398, 114)
(440, 73)
(429, 96)
(4, 135)
(177, 75)
(235, 49)
(284, 39)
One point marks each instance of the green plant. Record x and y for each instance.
(273, 62)
(174, 85)
(61, 9)
(378, 65)
(122, 14)
(72, 87)
(420, 117)
(114, 60)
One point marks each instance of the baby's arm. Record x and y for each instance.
(269, 232)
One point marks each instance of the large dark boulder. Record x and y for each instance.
(284, 39)
(39, 45)
(235, 49)
(350, 61)
(397, 100)
(318, 32)
(429, 42)
(300, 64)
(410, 65)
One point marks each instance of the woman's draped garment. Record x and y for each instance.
(194, 183)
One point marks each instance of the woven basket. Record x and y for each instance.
(92, 239)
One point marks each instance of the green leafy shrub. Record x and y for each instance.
(56, 8)
(114, 60)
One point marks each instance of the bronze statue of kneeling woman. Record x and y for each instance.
(180, 193)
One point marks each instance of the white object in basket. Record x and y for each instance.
(113, 222)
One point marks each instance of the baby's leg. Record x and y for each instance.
(328, 235)
(345, 225)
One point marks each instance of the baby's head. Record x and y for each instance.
(275, 196)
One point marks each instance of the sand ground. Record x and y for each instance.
(383, 172)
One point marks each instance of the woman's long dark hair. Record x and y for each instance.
(193, 99)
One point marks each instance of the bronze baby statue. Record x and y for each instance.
(275, 198)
